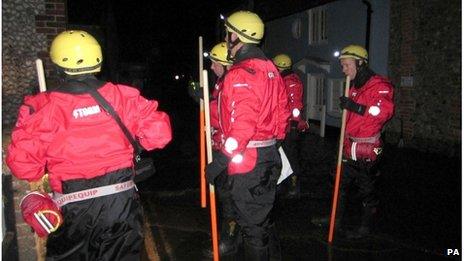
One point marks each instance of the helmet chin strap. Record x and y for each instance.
(230, 45)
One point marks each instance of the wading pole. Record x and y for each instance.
(209, 151)
(202, 128)
(40, 75)
(339, 168)
(39, 185)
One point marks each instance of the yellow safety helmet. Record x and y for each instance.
(282, 61)
(219, 54)
(354, 51)
(77, 52)
(247, 25)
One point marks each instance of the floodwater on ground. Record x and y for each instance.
(419, 215)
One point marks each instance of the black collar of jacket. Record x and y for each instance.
(249, 51)
(286, 72)
(362, 76)
(80, 84)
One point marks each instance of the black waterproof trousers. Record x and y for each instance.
(223, 188)
(363, 176)
(103, 228)
(253, 196)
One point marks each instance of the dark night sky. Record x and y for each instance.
(167, 28)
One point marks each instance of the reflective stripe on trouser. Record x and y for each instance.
(104, 228)
(253, 196)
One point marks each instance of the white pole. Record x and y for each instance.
(40, 75)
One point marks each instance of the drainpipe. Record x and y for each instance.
(368, 22)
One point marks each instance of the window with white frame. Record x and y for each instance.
(335, 91)
(317, 26)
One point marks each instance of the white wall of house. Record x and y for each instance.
(313, 54)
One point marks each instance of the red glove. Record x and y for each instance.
(302, 125)
(41, 213)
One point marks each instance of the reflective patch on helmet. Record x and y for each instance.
(296, 112)
(374, 110)
(237, 158)
(230, 145)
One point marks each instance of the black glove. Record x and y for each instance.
(218, 165)
(349, 104)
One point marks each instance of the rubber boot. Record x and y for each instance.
(367, 221)
(229, 242)
(256, 253)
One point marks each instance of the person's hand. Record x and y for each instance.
(349, 104)
(195, 91)
(218, 165)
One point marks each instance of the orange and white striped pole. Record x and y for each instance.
(202, 128)
(339, 168)
(209, 153)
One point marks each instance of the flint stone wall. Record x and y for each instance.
(28, 27)
(425, 45)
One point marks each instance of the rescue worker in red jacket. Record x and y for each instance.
(252, 115)
(294, 88)
(68, 135)
(229, 230)
(219, 65)
(369, 105)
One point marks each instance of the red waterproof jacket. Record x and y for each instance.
(294, 89)
(214, 114)
(377, 96)
(71, 137)
(252, 107)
